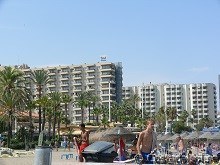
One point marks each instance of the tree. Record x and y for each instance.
(204, 122)
(44, 103)
(171, 115)
(56, 100)
(40, 78)
(183, 116)
(104, 120)
(179, 127)
(66, 99)
(92, 101)
(134, 99)
(82, 102)
(160, 119)
(30, 106)
(13, 95)
(97, 111)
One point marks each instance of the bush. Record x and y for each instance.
(19, 145)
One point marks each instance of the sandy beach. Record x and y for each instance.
(29, 159)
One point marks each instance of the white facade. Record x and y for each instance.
(103, 79)
(200, 97)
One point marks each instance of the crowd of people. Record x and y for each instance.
(142, 147)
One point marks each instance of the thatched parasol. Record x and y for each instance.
(215, 136)
(172, 138)
(165, 137)
(112, 134)
(184, 134)
(159, 136)
(193, 135)
(206, 135)
(96, 136)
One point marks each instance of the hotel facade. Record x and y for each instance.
(104, 79)
(200, 97)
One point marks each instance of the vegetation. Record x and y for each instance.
(16, 99)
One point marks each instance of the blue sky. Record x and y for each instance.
(157, 41)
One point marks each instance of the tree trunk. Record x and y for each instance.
(82, 115)
(39, 96)
(58, 127)
(30, 125)
(54, 124)
(89, 114)
(9, 129)
(39, 119)
(44, 119)
(97, 118)
(65, 115)
(49, 128)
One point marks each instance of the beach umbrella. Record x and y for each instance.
(112, 134)
(173, 138)
(206, 135)
(165, 137)
(119, 131)
(184, 134)
(96, 136)
(193, 135)
(215, 136)
(159, 136)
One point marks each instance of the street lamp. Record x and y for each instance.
(166, 127)
(142, 99)
(109, 102)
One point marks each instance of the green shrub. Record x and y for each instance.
(19, 145)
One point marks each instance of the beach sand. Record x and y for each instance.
(56, 159)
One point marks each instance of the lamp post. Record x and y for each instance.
(166, 127)
(142, 99)
(109, 102)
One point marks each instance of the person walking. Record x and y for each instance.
(147, 142)
(84, 140)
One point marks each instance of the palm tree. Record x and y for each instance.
(104, 120)
(160, 118)
(171, 114)
(183, 116)
(97, 111)
(134, 99)
(114, 110)
(40, 78)
(13, 95)
(92, 101)
(49, 115)
(82, 102)
(44, 103)
(66, 99)
(56, 100)
(30, 106)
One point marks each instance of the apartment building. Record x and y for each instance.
(103, 79)
(200, 97)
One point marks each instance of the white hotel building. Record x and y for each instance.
(103, 79)
(200, 97)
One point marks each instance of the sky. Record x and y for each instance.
(157, 41)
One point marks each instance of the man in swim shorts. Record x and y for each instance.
(147, 142)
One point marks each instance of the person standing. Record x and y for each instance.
(147, 142)
(209, 149)
(84, 140)
(56, 145)
(180, 146)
